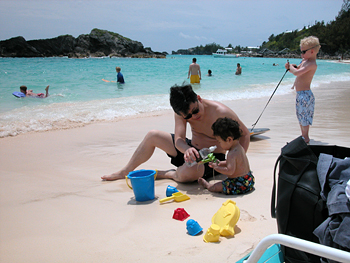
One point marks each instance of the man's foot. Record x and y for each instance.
(203, 183)
(114, 176)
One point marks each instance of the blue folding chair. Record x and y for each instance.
(269, 250)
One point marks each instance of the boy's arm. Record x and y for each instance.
(227, 167)
(306, 67)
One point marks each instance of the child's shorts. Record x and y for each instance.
(239, 185)
(305, 107)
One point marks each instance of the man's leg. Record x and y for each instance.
(144, 151)
(183, 174)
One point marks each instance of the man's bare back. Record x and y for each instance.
(194, 69)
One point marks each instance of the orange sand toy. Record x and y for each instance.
(226, 218)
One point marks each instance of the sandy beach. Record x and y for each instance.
(55, 208)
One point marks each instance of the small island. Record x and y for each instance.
(99, 43)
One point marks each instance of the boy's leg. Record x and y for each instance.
(217, 187)
(305, 133)
(47, 91)
(144, 151)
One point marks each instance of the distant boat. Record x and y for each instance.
(222, 53)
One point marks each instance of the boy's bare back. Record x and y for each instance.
(237, 159)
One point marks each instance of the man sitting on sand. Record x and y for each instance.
(29, 93)
(200, 114)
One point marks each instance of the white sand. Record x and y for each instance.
(55, 208)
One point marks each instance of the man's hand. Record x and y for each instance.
(191, 155)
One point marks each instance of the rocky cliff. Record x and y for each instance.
(98, 43)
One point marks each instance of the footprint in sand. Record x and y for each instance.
(245, 216)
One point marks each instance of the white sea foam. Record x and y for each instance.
(79, 97)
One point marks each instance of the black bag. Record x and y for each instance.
(300, 209)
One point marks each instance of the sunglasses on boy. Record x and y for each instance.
(194, 112)
(306, 50)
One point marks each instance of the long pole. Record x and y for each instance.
(269, 100)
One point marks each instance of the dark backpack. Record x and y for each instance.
(300, 209)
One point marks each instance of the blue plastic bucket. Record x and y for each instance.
(142, 182)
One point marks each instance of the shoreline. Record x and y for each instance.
(53, 204)
(50, 124)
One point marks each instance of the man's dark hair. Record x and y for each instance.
(226, 127)
(23, 88)
(194, 60)
(181, 97)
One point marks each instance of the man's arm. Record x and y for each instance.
(190, 153)
(245, 138)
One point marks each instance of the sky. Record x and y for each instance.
(165, 25)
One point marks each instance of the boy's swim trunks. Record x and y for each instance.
(40, 95)
(195, 79)
(305, 105)
(238, 185)
(179, 160)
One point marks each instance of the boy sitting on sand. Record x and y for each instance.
(305, 100)
(240, 179)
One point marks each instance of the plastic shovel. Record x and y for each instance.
(178, 197)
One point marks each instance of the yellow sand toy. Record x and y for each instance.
(226, 218)
(213, 234)
(178, 197)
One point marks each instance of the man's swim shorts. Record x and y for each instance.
(195, 79)
(179, 160)
(238, 185)
(305, 105)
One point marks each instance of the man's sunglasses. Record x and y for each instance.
(194, 111)
(306, 50)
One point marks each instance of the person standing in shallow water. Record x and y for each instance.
(195, 72)
(239, 69)
(120, 77)
(305, 100)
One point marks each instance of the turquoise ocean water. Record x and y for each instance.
(78, 96)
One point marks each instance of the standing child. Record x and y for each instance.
(240, 179)
(239, 69)
(120, 77)
(305, 100)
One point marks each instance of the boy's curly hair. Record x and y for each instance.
(226, 127)
(311, 41)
